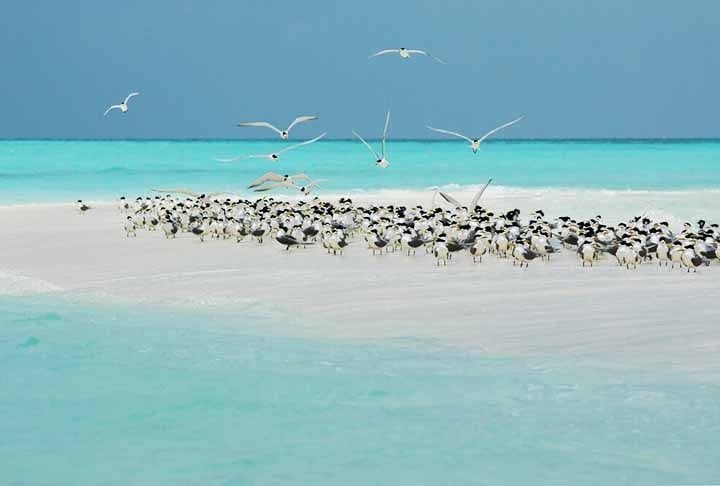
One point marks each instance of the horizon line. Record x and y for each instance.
(409, 139)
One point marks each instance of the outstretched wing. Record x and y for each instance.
(315, 183)
(372, 151)
(448, 132)
(113, 107)
(450, 199)
(495, 130)
(301, 119)
(386, 51)
(299, 176)
(477, 197)
(260, 124)
(240, 157)
(306, 142)
(211, 195)
(387, 122)
(135, 93)
(187, 192)
(425, 53)
(268, 176)
(271, 187)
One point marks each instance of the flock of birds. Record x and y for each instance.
(438, 231)
(442, 232)
(381, 158)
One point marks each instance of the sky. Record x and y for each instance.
(576, 69)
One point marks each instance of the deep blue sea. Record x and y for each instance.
(60, 171)
(117, 395)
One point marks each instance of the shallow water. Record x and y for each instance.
(61, 171)
(94, 394)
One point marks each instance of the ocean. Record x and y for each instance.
(117, 394)
(35, 171)
(101, 391)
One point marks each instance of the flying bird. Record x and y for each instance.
(406, 53)
(475, 142)
(284, 134)
(275, 155)
(123, 107)
(381, 161)
(303, 189)
(273, 177)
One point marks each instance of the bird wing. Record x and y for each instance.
(450, 199)
(477, 197)
(301, 119)
(268, 176)
(425, 53)
(495, 130)
(215, 194)
(372, 151)
(260, 124)
(315, 183)
(387, 122)
(113, 107)
(299, 176)
(306, 142)
(177, 191)
(240, 157)
(386, 51)
(448, 132)
(271, 187)
(134, 93)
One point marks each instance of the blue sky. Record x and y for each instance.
(607, 68)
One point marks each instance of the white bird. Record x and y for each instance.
(475, 142)
(273, 177)
(474, 201)
(274, 155)
(123, 107)
(381, 160)
(406, 53)
(284, 134)
(289, 184)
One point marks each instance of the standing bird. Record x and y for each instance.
(275, 155)
(284, 134)
(406, 53)
(381, 161)
(475, 142)
(441, 251)
(82, 207)
(123, 107)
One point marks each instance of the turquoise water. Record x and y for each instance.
(58, 171)
(119, 395)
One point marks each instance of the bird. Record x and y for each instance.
(406, 53)
(303, 189)
(273, 177)
(123, 107)
(275, 155)
(309, 186)
(284, 134)
(381, 161)
(475, 142)
(441, 252)
(82, 207)
(473, 203)
(130, 227)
